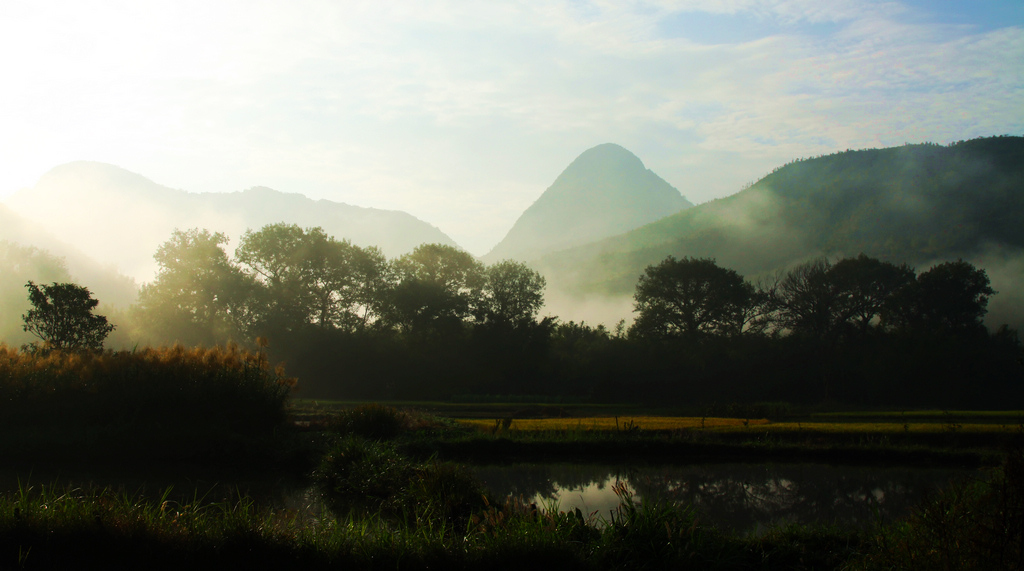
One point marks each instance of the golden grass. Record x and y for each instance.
(611, 424)
(891, 427)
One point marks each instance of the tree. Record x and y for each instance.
(513, 293)
(805, 299)
(198, 297)
(690, 298)
(828, 301)
(308, 277)
(439, 286)
(18, 264)
(865, 285)
(62, 316)
(951, 297)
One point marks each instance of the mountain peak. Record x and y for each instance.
(605, 191)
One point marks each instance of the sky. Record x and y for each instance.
(462, 113)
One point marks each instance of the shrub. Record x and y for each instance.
(373, 421)
(361, 477)
(156, 394)
(971, 525)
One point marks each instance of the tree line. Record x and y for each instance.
(820, 299)
(436, 323)
(284, 278)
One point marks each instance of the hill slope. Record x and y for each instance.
(604, 192)
(916, 203)
(127, 216)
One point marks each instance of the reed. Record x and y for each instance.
(172, 399)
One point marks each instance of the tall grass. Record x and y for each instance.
(975, 524)
(70, 528)
(60, 400)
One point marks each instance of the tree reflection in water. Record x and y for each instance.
(745, 498)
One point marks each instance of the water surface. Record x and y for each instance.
(744, 498)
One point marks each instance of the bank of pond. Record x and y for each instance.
(199, 458)
(373, 492)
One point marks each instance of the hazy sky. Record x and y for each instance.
(463, 112)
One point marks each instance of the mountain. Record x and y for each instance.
(108, 285)
(604, 192)
(28, 253)
(916, 203)
(121, 218)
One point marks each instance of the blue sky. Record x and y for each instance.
(463, 112)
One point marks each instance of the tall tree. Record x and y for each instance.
(951, 297)
(198, 297)
(832, 300)
(513, 293)
(19, 264)
(690, 298)
(439, 286)
(308, 277)
(863, 286)
(62, 316)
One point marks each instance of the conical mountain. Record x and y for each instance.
(606, 191)
(916, 204)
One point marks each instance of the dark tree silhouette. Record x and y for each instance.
(439, 286)
(951, 297)
(690, 297)
(62, 317)
(513, 294)
(829, 300)
(865, 285)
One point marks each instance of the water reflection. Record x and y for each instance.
(745, 498)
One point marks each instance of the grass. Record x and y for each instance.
(973, 525)
(395, 504)
(171, 404)
(611, 423)
(57, 528)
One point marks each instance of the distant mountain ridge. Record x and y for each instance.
(128, 216)
(915, 204)
(605, 191)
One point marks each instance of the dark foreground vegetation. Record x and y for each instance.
(383, 509)
(382, 500)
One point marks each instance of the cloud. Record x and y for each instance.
(446, 109)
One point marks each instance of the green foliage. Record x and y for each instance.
(439, 287)
(972, 525)
(514, 293)
(658, 534)
(308, 277)
(691, 298)
(372, 421)
(829, 300)
(62, 316)
(359, 476)
(951, 297)
(198, 296)
(20, 264)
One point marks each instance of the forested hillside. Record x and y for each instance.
(915, 204)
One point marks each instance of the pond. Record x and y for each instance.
(743, 498)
